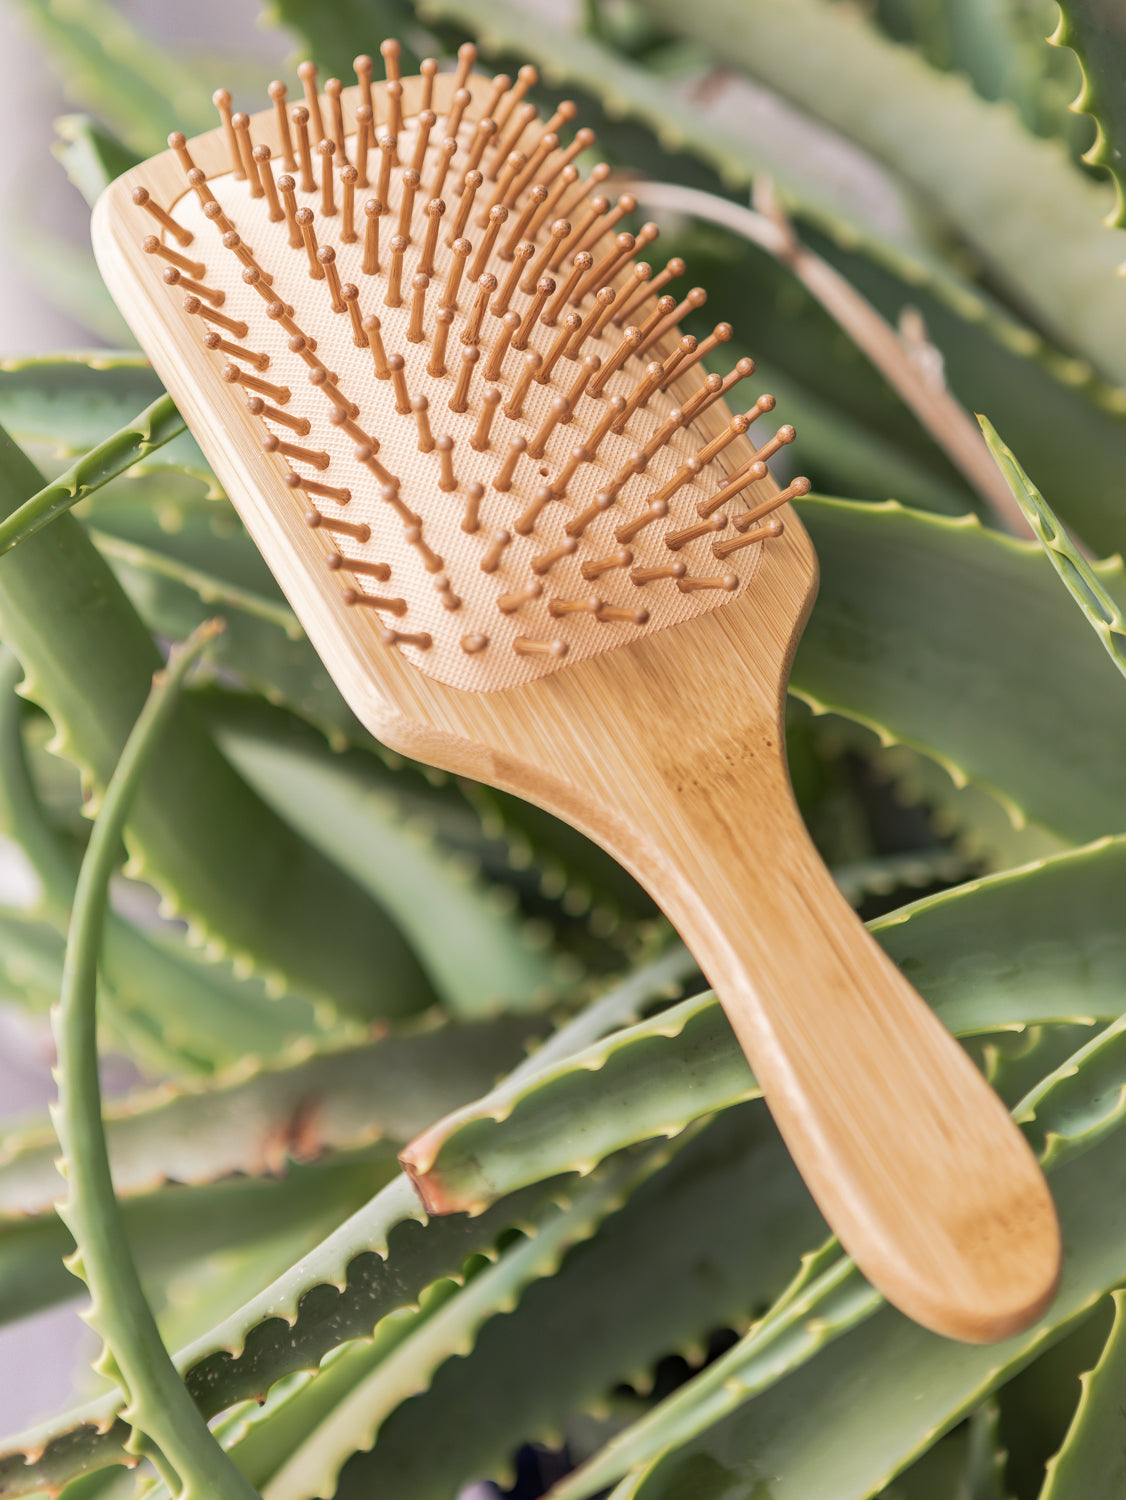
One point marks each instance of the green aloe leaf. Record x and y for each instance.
(377, 1261)
(66, 404)
(895, 641)
(1079, 578)
(31, 960)
(149, 430)
(987, 40)
(331, 34)
(1034, 221)
(314, 1467)
(978, 824)
(181, 1012)
(266, 650)
(480, 957)
(997, 365)
(263, 1438)
(1047, 943)
(175, 1229)
(65, 275)
(1081, 1100)
(985, 1459)
(732, 145)
(258, 1117)
(708, 1242)
(915, 1384)
(648, 1080)
(1095, 30)
(1092, 1461)
(215, 851)
(165, 1423)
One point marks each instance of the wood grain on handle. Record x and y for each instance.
(912, 1158)
(910, 1155)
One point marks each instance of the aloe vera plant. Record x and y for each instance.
(906, 226)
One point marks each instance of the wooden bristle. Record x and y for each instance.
(358, 565)
(216, 341)
(278, 93)
(142, 199)
(153, 246)
(307, 72)
(361, 532)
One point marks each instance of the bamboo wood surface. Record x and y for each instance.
(669, 752)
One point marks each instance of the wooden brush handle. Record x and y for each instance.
(910, 1155)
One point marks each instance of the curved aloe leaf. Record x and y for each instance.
(179, 1229)
(708, 1242)
(916, 1385)
(215, 851)
(895, 641)
(314, 1468)
(380, 1259)
(1092, 1461)
(512, 1136)
(257, 1117)
(1017, 201)
(1081, 1101)
(166, 1424)
(1079, 578)
(479, 957)
(151, 429)
(1096, 32)
(68, 403)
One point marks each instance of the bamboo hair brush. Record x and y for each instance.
(533, 545)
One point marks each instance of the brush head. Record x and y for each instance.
(449, 398)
